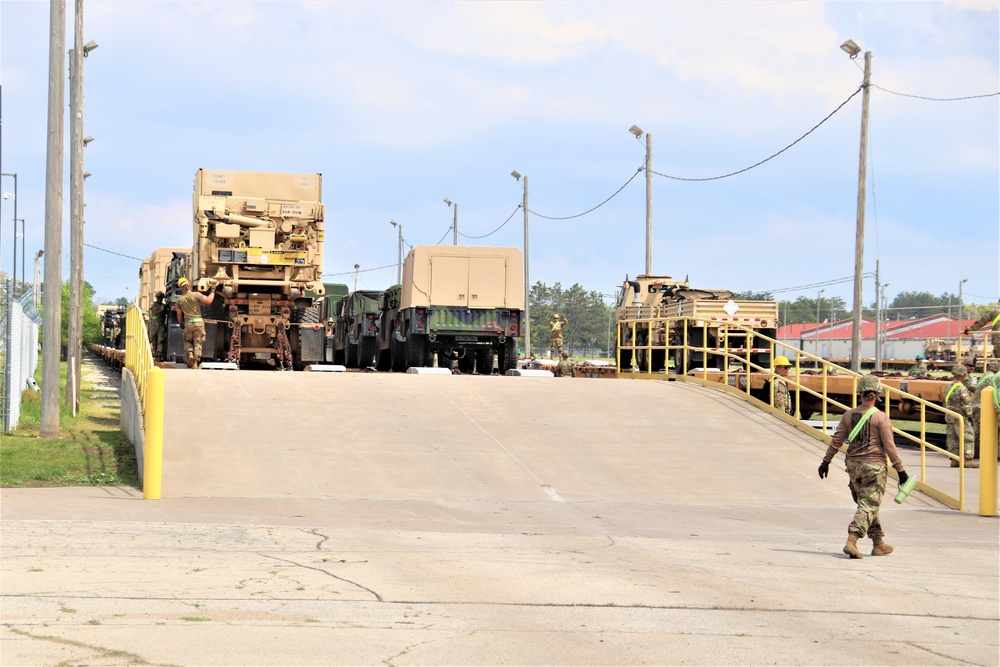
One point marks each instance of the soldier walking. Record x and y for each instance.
(977, 396)
(868, 434)
(958, 399)
(557, 323)
(191, 320)
(158, 327)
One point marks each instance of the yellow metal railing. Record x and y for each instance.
(149, 387)
(679, 353)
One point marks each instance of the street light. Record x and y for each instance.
(399, 256)
(852, 49)
(816, 334)
(958, 352)
(454, 225)
(23, 234)
(527, 281)
(357, 268)
(13, 195)
(637, 131)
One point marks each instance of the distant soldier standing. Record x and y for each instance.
(191, 320)
(977, 396)
(557, 322)
(782, 398)
(564, 369)
(158, 327)
(919, 368)
(958, 399)
(868, 433)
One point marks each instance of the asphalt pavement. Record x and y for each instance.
(394, 519)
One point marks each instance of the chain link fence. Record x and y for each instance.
(20, 323)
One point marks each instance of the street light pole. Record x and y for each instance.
(853, 49)
(816, 334)
(399, 254)
(454, 224)
(637, 131)
(13, 275)
(958, 353)
(527, 280)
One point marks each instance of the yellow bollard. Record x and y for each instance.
(988, 454)
(152, 468)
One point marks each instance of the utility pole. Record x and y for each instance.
(859, 236)
(52, 301)
(73, 347)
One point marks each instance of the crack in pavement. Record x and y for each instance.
(329, 574)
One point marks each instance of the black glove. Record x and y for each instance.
(903, 477)
(824, 469)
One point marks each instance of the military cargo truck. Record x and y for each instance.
(356, 329)
(329, 306)
(655, 297)
(153, 276)
(258, 242)
(463, 303)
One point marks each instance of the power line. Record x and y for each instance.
(753, 166)
(935, 99)
(518, 208)
(352, 272)
(570, 217)
(112, 252)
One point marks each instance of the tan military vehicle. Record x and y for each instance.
(644, 301)
(153, 276)
(464, 303)
(258, 242)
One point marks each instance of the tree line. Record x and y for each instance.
(904, 306)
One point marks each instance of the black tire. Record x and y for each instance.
(508, 356)
(416, 351)
(351, 353)
(397, 352)
(384, 361)
(366, 352)
(484, 361)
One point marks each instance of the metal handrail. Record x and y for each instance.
(685, 350)
(138, 352)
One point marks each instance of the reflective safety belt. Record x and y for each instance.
(861, 423)
(953, 387)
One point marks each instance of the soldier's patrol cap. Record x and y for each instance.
(869, 383)
(959, 369)
(159, 295)
(993, 366)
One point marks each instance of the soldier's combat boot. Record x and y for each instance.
(191, 362)
(971, 463)
(880, 548)
(851, 548)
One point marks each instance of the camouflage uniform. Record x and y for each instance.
(158, 329)
(557, 322)
(920, 368)
(194, 325)
(782, 397)
(564, 369)
(866, 466)
(987, 380)
(958, 399)
(993, 318)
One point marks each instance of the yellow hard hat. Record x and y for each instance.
(781, 361)
(182, 281)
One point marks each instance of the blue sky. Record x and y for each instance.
(400, 105)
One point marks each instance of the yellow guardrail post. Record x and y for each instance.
(152, 475)
(988, 454)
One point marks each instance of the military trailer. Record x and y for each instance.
(356, 329)
(463, 303)
(258, 242)
(641, 302)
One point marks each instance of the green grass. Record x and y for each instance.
(91, 450)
